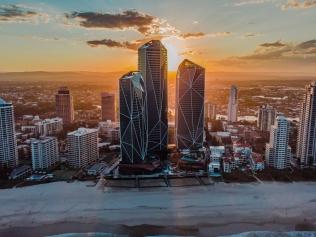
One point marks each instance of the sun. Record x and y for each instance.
(173, 47)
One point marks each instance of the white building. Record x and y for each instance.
(232, 105)
(306, 139)
(8, 145)
(217, 153)
(110, 130)
(82, 147)
(266, 117)
(44, 153)
(49, 127)
(278, 152)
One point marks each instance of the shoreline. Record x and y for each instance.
(218, 209)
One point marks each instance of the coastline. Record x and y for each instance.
(213, 210)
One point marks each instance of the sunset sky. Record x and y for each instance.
(103, 35)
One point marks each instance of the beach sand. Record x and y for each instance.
(218, 209)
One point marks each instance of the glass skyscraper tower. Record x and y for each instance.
(190, 105)
(152, 64)
(132, 118)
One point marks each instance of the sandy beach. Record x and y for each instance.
(218, 209)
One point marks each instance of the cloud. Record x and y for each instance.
(16, 13)
(132, 45)
(289, 56)
(192, 35)
(199, 35)
(250, 2)
(297, 4)
(248, 35)
(283, 51)
(130, 19)
(273, 44)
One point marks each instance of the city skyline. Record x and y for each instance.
(228, 36)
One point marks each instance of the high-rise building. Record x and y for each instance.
(82, 147)
(266, 117)
(108, 106)
(152, 64)
(210, 111)
(306, 140)
(232, 104)
(44, 153)
(64, 105)
(49, 127)
(190, 105)
(278, 151)
(132, 118)
(8, 145)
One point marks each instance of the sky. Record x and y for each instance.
(103, 35)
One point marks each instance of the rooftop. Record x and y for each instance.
(83, 131)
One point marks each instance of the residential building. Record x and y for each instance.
(232, 111)
(82, 147)
(8, 144)
(108, 106)
(210, 111)
(64, 105)
(49, 127)
(278, 152)
(306, 140)
(266, 117)
(44, 153)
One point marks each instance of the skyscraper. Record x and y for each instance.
(189, 105)
(108, 106)
(232, 105)
(82, 147)
(266, 117)
(306, 140)
(210, 111)
(8, 146)
(152, 64)
(64, 105)
(132, 118)
(44, 153)
(278, 152)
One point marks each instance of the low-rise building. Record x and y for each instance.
(21, 172)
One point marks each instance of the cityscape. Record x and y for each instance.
(163, 146)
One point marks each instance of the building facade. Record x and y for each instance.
(49, 127)
(152, 64)
(189, 122)
(44, 153)
(82, 147)
(211, 111)
(108, 106)
(232, 111)
(8, 145)
(306, 140)
(64, 105)
(266, 117)
(132, 118)
(278, 151)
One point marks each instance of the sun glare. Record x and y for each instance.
(174, 53)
